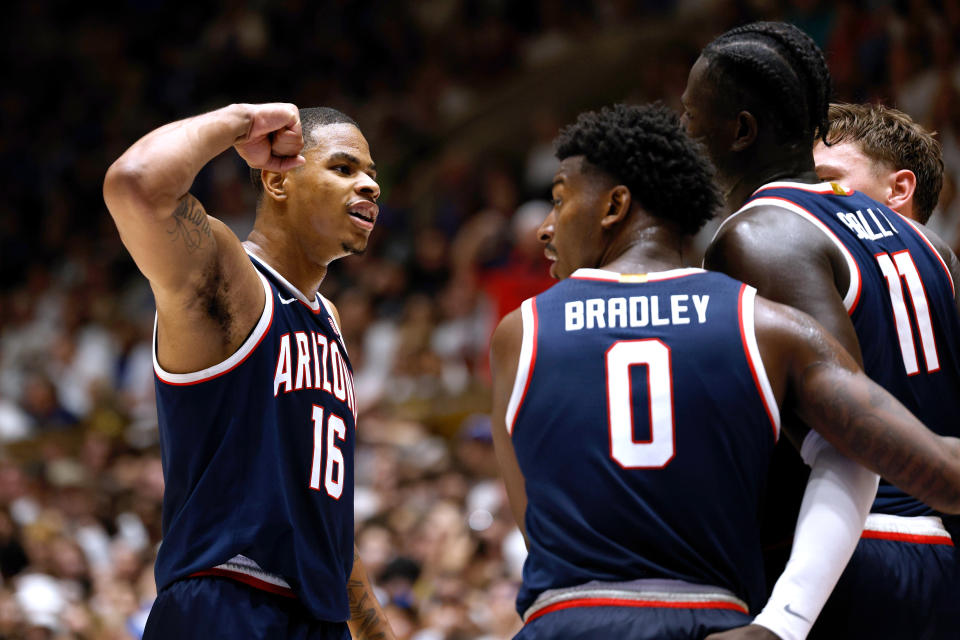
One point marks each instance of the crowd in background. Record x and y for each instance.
(442, 89)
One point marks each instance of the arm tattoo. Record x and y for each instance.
(363, 611)
(190, 223)
(868, 424)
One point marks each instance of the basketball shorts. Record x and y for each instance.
(210, 607)
(903, 581)
(637, 610)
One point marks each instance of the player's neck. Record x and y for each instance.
(793, 166)
(287, 259)
(647, 250)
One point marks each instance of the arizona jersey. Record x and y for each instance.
(643, 422)
(900, 300)
(258, 458)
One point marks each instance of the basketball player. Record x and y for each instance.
(884, 287)
(636, 403)
(884, 154)
(254, 386)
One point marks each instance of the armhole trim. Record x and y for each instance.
(933, 250)
(250, 344)
(747, 306)
(852, 295)
(528, 358)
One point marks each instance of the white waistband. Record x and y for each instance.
(916, 526)
(632, 593)
(247, 567)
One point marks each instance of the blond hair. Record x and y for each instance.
(892, 137)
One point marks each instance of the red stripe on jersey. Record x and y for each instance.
(932, 249)
(533, 362)
(247, 580)
(753, 368)
(625, 602)
(820, 224)
(906, 537)
(225, 371)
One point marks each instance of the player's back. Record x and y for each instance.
(643, 422)
(900, 300)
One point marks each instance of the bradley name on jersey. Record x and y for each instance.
(309, 360)
(635, 311)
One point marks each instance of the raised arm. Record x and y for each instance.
(504, 358)
(208, 294)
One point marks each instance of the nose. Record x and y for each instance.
(545, 231)
(367, 186)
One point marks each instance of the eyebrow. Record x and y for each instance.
(352, 159)
(556, 181)
(828, 166)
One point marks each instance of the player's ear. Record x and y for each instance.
(746, 131)
(274, 184)
(902, 185)
(618, 206)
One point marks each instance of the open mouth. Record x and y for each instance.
(364, 212)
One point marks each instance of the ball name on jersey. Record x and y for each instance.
(635, 311)
(860, 224)
(309, 360)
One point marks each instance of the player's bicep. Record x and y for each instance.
(170, 250)
(504, 360)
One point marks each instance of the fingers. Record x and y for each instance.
(273, 118)
(287, 142)
(284, 163)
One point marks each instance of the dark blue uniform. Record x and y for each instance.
(643, 423)
(902, 579)
(258, 469)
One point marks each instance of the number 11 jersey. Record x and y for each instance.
(901, 301)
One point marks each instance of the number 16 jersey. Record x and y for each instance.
(643, 423)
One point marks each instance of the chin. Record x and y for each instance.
(354, 249)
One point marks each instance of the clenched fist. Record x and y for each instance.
(274, 139)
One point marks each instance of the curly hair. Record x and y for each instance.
(310, 119)
(778, 70)
(645, 149)
(891, 137)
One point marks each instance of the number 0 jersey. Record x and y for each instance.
(900, 300)
(258, 458)
(643, 423)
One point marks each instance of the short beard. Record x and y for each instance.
(356, 251)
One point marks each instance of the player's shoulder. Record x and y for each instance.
(506, 340)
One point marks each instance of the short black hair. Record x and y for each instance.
(779, 72)
(645, 149)
(310, 119)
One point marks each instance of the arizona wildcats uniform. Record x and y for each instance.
(643, 422)
(901, 302)
(258, 459)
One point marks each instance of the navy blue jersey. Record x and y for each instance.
(643, 423)
(258, 458)
(901, 302)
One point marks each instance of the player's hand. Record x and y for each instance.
(749, 632)
(274, 140)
